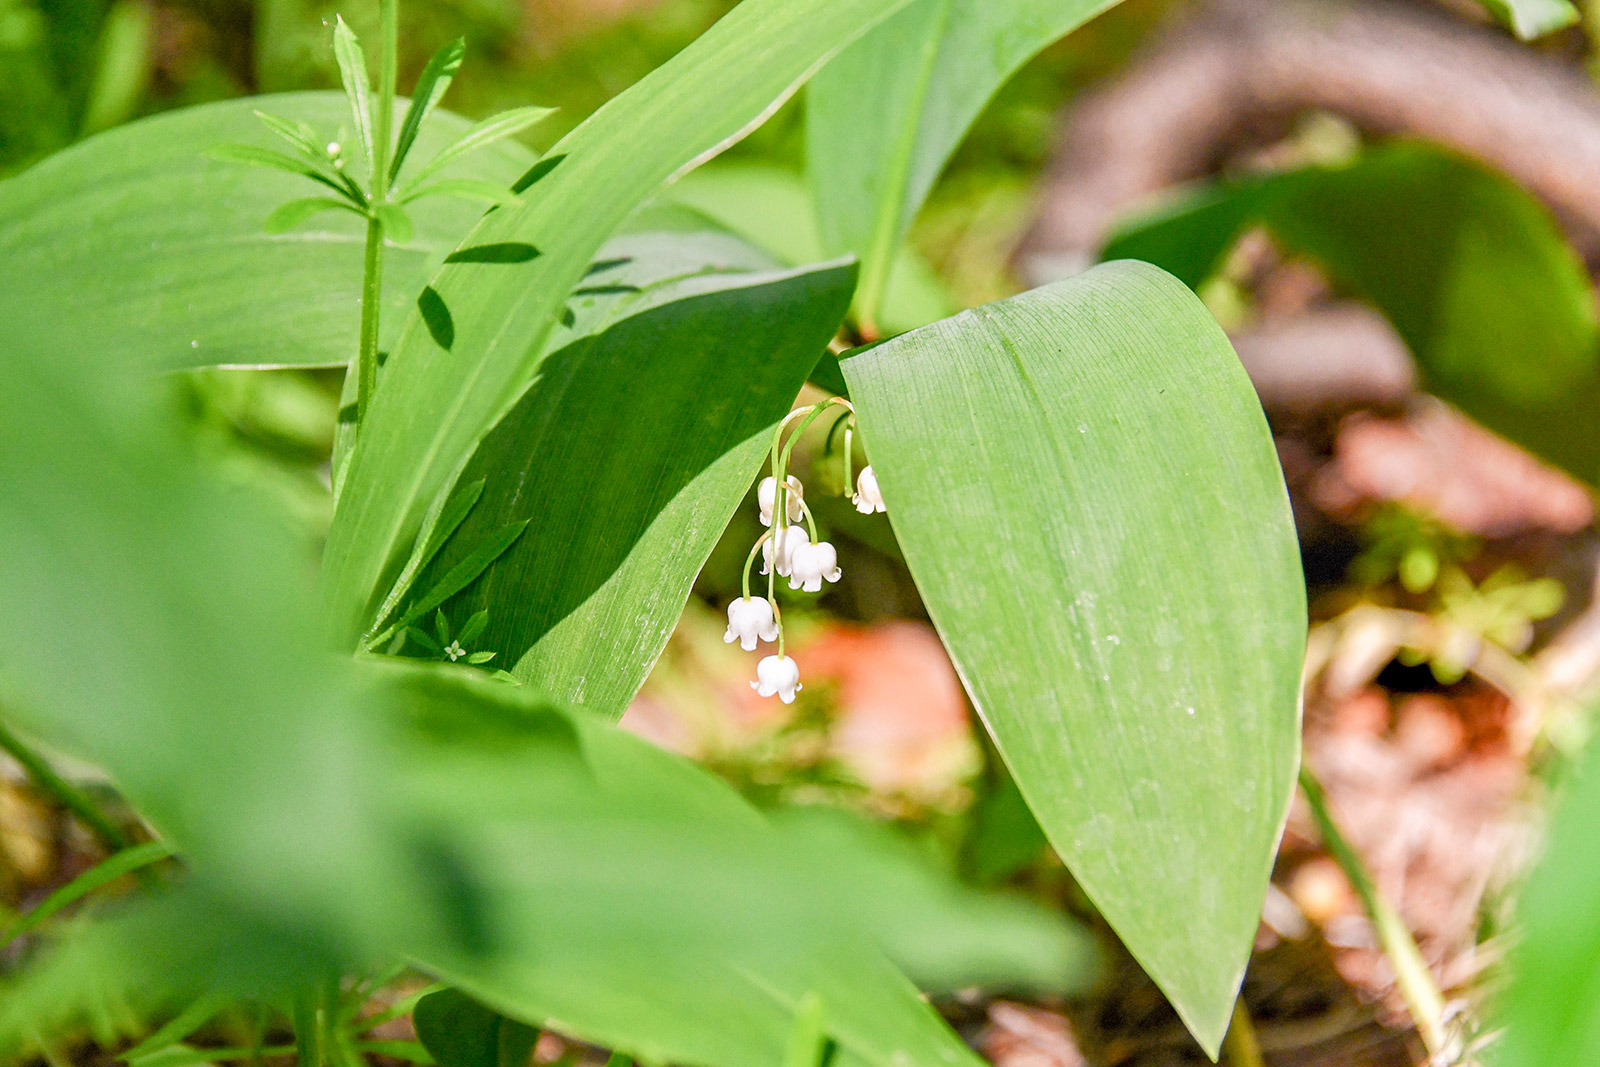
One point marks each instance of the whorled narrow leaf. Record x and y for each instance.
(491, 130)
(292, 214)
(136, 242)
(1088, 498)
(583, 603)
(434, 406)
(1474, 274)
(432, 84)
(357, 82)
(884, 117)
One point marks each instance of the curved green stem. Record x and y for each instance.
(811, 522)
(849, 455)
(44, 777)
(1411, 973)
(750, 561)
(1240, 1047)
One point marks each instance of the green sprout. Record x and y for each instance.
(382, 199)
(444, 648)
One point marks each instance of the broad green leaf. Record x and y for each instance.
(1552, 1006)
(459, 1032)
(710, 961)
(1533, 18)
(885, 116)
(336, 815)
(1475, 275)
(584, 602)
(1088, 498)
(357, 82)
(433, 406)
(946, 936)
(772, 208)
(433, 83)
(137, 245)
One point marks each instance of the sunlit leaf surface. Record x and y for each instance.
(1087, 495)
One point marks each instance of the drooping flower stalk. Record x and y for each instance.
(797, 554)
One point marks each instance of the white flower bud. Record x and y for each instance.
(767, 498)
(777, 676)
(810, 563)
(792, 537)
(749, 620)
(868, 499)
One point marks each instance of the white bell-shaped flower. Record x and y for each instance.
(777, 676)
(779, 549)
(767, 498)
(750, 619)
(810, 564)
(868, 499)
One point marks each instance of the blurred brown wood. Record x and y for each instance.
(1237, 71)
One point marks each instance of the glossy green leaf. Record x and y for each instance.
(1533, 18)
(137, 244)
(432, 408)
(583, 604)
(1088, 498)
(1476, 277)
(1552, 1007)
(885, 116)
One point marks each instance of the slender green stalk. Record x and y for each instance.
(1240, 1047)
(258, 1036)
(750, 560)
(377, 197)
(110, 835)
(307, 1034)
(811, 521)
(1411, 972)
(371, 298)
(129, 861)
